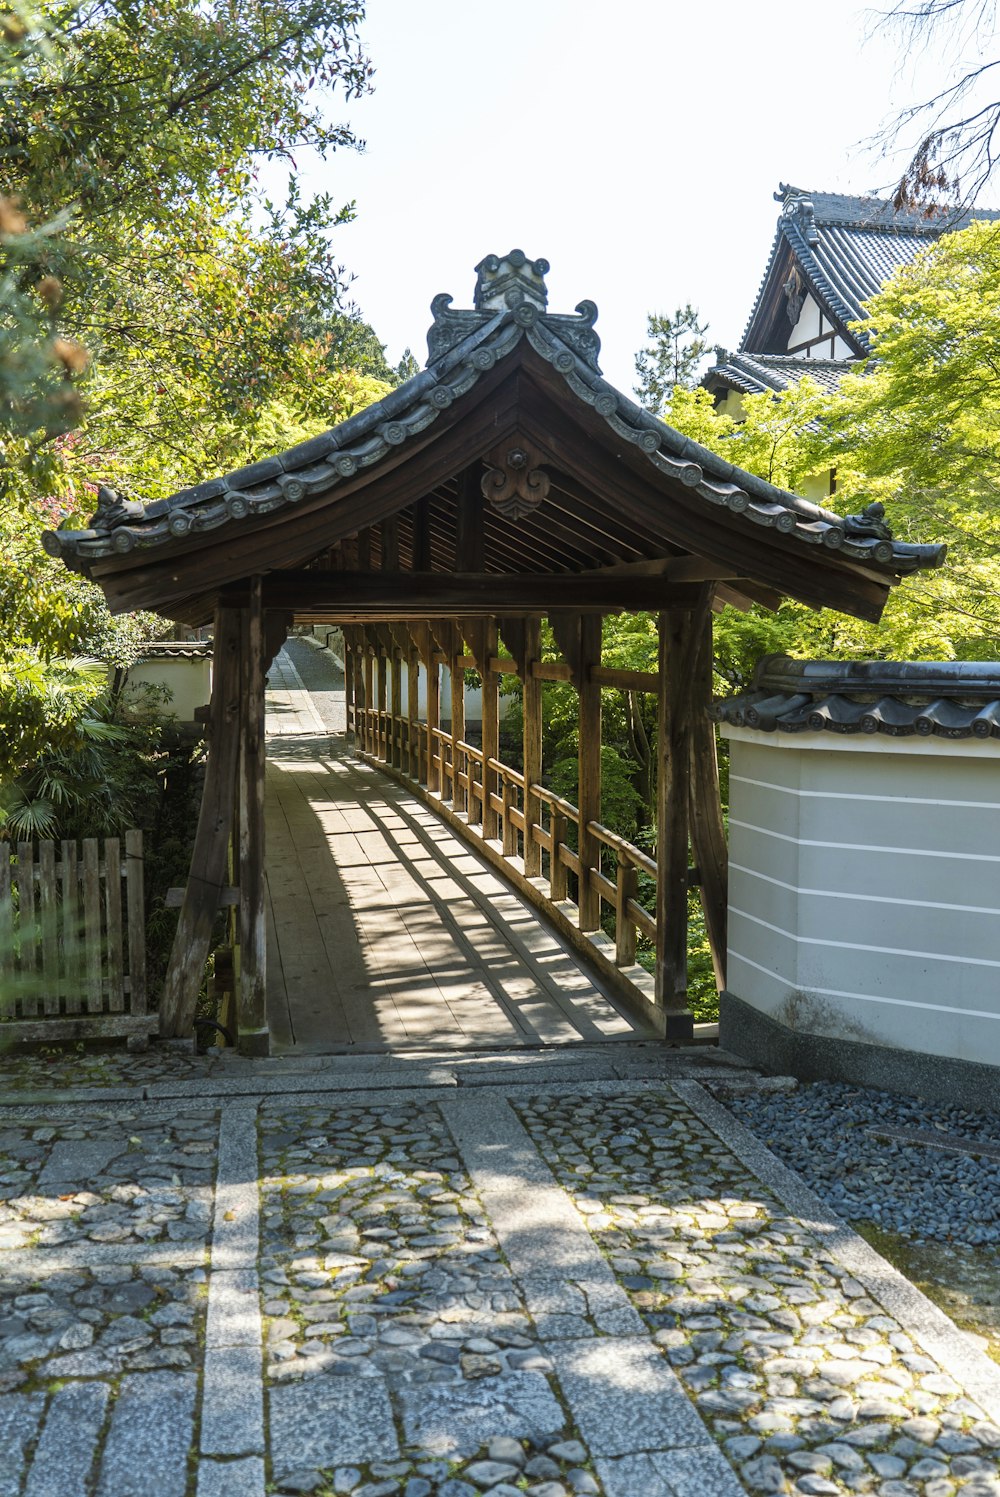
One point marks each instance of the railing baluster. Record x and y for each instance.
(627, 887)
(557, 868)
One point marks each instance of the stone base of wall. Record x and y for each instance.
(764, 1042)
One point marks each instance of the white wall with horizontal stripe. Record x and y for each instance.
(865, 888)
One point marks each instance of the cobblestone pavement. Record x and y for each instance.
(610, 1289)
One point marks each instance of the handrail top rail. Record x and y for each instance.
(623, 846)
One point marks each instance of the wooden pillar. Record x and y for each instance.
(458, 795)
(368, 666)
(207, 876)
(491, 723)
(469, 520)
(253, 1036)
(396, 709)
(532, 744)
(589, 760)
(708, 831)
(348, 685)
(382, 745)
(434, 776)
(413, 711)
(680, 631)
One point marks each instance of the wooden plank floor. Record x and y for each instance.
(385, 930)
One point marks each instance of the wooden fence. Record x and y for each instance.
(72, 940)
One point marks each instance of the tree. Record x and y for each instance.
(676, 349)
(919, 428)
(158, 316)
(951, 138)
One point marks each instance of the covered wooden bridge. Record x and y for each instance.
(505, 484)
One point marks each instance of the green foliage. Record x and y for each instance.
(159, 318)
(671, 359)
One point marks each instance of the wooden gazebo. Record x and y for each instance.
(504, 483)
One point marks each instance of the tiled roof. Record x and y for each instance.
(947, 699)
(510, 306)
(763, 373)
(847, 247)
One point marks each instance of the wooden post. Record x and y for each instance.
(708, 831)
(348, 685)
(92, 922)
(396, 689)
(413, 711)
(626, 888)
(382, 743)
(368, 666)
(680, 630)
(433, 776)
(208, 861)
(557, 868)
(491, 723)
(532, 745)
(589, 760)
(251, 1013)
(458, 795)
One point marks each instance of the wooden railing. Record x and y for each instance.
(490, 795)
(70, 913)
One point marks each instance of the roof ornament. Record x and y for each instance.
(798, 207)
(513, 287)
(870, 524)
(510, 281)
(515, 484)
(112, 510)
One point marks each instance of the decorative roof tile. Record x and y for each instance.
(946, 699)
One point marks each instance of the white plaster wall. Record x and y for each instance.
(189, 682)
(808, 325)
(865, 888)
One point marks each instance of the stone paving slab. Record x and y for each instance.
(601, 1291)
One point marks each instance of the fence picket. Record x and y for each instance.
(92, 923)
(72, 994)
(48, 910)
(136, 922)
(27, 945)
(113, 919)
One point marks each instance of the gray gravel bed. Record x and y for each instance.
(827, 1131)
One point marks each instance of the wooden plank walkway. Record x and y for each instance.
(385, 930)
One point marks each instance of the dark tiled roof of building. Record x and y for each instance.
(510, 306)
(847, 247)
(947, 699)
(770, 373)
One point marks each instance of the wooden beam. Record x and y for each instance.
(674, 568)
(207, 877)
(681, 631)
(531, 743)
(453, 595)
(589, 761)
(251, 1014)
(625, 680)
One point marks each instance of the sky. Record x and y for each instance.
(636, 145)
